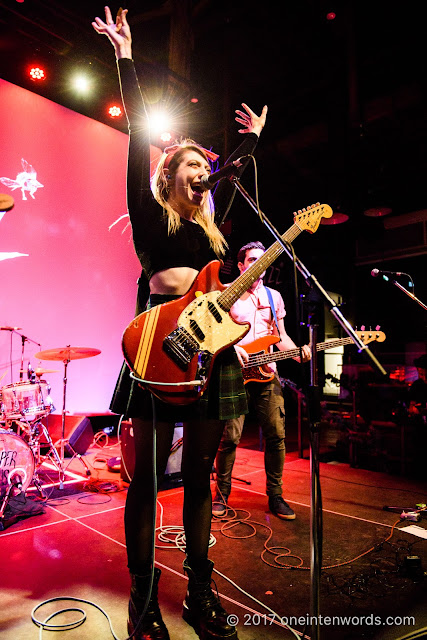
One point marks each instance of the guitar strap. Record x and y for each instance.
(273, 310)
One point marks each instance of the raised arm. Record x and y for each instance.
(252, 127)
(251, 122)
(138, 173)
(118, 32)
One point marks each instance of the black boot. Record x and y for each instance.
(202, 608)
(152, 626)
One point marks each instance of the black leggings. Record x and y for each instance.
(200, 443)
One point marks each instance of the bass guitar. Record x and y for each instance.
(255, 369)
(171, 347)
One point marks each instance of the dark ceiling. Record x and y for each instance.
(347, 120)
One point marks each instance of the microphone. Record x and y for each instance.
(10, 328)
(227, 171)
(378, 272)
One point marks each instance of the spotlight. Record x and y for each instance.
(81, 83)
(159, 122)
(115, 112)
(37, 73)
(166, 136)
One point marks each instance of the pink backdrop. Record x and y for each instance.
(77, 284)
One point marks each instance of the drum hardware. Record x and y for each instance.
(24, 339)
(65, 355)
(17, 467)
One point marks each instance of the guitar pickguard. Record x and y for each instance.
(209, 325)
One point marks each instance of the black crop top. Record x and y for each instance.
(156, 249)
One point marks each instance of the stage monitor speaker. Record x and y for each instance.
(173, 467)
(78, 432)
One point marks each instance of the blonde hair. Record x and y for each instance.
(204, 215)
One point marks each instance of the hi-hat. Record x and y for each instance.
(67, 353)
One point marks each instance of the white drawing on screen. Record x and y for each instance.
(26, 180)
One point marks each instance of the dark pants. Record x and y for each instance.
(200, 443)
(267, 400)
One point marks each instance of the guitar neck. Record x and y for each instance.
(258, 359)
(237, 288)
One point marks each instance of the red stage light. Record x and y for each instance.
(37, 73)
(115, 112)
(331, 15)
(194, 100)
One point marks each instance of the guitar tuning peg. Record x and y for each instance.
(362, 328)
(299, 211)
(304, 210)
(317, 204)
(377, 328)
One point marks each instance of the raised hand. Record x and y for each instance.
(251, 122)
(118, 32)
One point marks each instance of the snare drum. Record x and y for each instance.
(30, 400)
(16, 461)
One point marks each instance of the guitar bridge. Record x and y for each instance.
(181, 347)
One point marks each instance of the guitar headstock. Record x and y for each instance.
(309, 219)
(371, 335)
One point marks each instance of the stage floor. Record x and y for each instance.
(76, 549)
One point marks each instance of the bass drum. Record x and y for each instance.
(16, 461)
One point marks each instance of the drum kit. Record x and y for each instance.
(23, 434)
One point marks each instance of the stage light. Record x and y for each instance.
(194, 100)
(166, 136)
(331, 15)
(115, 112)
(82, 83)
(159, 122)
(37, 73)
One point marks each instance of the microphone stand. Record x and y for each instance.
(313, 411)
(408, 293)
(24, 339)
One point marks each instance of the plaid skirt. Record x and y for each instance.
(223, 399)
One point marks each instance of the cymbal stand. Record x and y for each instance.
(32, 435)
(65, 441)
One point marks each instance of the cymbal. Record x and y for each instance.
(67, 353)
(39, 371)
(6, 202)
(336, 218)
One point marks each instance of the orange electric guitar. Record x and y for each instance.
(171, 347)
(259, 355)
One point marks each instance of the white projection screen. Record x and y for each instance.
(66, 278)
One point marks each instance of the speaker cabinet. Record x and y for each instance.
(173, 467)
(78, 432)
(128, 451)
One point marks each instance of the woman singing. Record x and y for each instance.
(174, 235)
